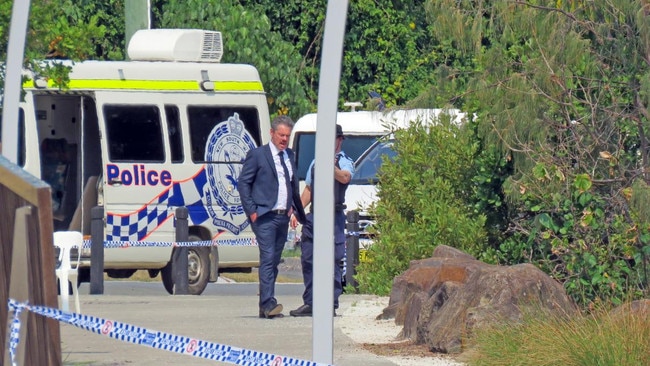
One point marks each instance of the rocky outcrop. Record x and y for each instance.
(440, 300)
(637, 308)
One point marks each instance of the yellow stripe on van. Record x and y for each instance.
(178, 85)
(133, 84)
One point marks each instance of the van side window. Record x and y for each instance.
(203, 119)
(134, 133)
(174, 131)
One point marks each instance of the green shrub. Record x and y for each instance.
(423, 202)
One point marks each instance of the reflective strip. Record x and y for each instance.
(89, 84)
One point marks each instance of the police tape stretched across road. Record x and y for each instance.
(202, 243)
(151, 338)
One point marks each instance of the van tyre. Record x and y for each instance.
(166, 276)
(198, 266)
(198, 262)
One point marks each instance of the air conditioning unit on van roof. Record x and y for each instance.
(188, 45)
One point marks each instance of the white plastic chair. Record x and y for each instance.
(66, 270)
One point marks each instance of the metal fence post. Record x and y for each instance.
(352, 248)
(97, 251)
(179, 257)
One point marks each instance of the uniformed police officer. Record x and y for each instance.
(343, 171)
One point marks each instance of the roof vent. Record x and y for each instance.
(188, 45)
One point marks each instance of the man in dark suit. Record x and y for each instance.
(269, 194)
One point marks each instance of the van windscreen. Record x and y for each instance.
(368, 166)
(305, 142)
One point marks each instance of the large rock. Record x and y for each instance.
(637, 308)
(440, 300)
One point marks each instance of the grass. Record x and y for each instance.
(290, 253)
(598, 339)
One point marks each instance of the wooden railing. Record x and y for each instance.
(27, 263)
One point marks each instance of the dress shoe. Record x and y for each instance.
(304, 310)
(262, 316)
(274, 312)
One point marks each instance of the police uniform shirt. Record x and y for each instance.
(345, 163)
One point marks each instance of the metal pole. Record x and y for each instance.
(179, 256)
(13, 75)
(97, 251)
(352, 248)
(328, 94)
(137, 15)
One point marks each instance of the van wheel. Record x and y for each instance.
(198, 262)
(198, 266)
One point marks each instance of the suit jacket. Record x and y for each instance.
(258, 183)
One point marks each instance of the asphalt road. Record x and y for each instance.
(155, 288)
(226, 314)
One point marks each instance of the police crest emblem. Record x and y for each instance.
(226, 148)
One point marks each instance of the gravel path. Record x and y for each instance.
(360, 324)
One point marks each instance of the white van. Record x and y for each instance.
(169, 128)
(362, 191)
(361, 129)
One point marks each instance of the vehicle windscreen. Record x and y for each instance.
(369, 164)
(304, 148)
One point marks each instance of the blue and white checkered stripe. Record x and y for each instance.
(136, 225)
(154, 339)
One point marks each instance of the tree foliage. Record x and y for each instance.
(62, 29)
(388, 46)
(94, 29)
(561, 88)
(559, 154)
(248, 38)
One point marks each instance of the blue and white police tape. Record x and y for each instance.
(151, 338)
(14, 331)
(204, 243)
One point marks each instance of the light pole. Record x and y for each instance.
(13, 76)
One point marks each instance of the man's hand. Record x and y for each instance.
(293, 221)
(253, 217)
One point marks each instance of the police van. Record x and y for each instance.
(168, 128)
(363, 143)
(361, 129)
